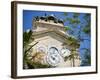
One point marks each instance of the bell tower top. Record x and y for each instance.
(47, 22)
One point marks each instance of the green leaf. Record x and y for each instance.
(76, 15)
(73, 21)
(86, 30)
(65, 14)
(67, 28)
(27, 36)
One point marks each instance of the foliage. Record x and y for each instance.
(73, 42)
(86, 30)
(72, 56)
(73, 21)
(67, 28)
(87, 22)
(26, 41)
(34, 65)
(28, 63)
(72, 39)
(35, 61)
(76, 15)
(27, 36)
(87, 59)
(80, 27)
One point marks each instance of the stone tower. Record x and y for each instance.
(54, 42)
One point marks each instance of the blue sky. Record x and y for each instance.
(28, 15)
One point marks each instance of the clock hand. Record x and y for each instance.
(53, 57)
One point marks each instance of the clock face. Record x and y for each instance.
(53, 57)
(41, 49)
(65, 52)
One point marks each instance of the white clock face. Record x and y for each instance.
(53, 57)
(65, 52)
(41, 49)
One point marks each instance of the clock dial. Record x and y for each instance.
(41, 49)
(53, 57)
(65, 52)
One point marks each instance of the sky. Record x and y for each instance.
(28, 16)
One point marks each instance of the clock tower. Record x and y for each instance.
(54, 42)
